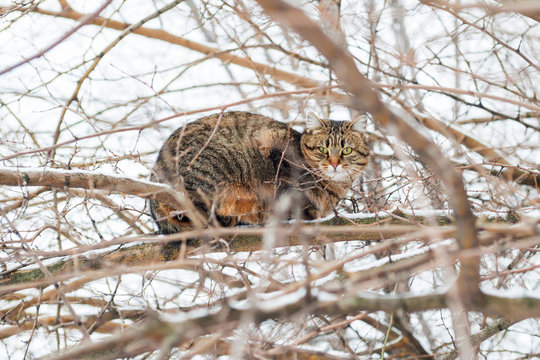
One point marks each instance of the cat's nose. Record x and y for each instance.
(334, 161)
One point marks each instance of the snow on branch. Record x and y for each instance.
(81, 179)
(151, 333)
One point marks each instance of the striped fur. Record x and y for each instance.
(235, 165)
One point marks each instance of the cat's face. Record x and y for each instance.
(335, 150)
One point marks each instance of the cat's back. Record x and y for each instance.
(225, 147)
(227, 128)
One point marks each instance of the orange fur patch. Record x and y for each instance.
(240, 203)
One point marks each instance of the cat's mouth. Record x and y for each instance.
(336, 173)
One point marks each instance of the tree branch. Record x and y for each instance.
(150, 334)
(86, 19)
(151, 250)
(88, 180)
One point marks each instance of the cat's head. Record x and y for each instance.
(335, 150)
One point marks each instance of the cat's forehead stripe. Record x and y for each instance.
(336, 132)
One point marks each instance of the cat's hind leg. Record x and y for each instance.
(240, 204)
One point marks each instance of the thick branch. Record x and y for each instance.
(94, 181)
(151, 249)
(150, 334)
(137, 258)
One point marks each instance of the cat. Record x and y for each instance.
(235, 165)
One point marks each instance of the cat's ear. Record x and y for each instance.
(313, 122)
(359, 123)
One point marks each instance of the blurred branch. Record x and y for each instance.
(529, 8)
(519, 118)
(64, 4)
(512, 173)
(151, 333)
(460, 91)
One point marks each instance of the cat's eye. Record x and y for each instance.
(323, 149)
(346, 150)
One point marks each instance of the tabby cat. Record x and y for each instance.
(235, 165)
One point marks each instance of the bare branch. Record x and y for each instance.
(83, 20)
(90, 181)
